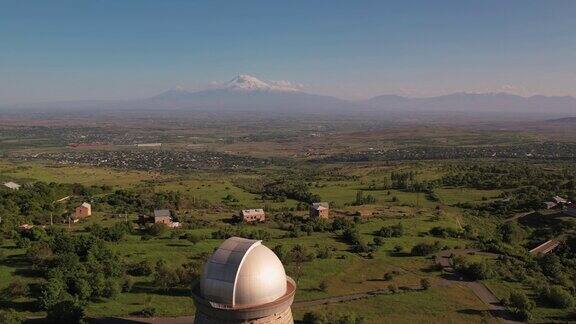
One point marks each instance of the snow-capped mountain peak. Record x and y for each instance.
(244, 82)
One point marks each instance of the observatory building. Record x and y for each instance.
(244, 282)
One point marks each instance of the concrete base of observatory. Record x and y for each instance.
(276, 312)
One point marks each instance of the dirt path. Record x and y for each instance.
(517, 216)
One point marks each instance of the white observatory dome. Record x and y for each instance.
(243, 273)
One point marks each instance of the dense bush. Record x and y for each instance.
(445, 232)
(391, 231)
(142, 268)
(423, 249)
(66, 311)
(557, 297)
(10, 316)
(472, 270)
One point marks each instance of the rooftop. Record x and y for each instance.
(321, 205)
(12, 185)
(162, 213)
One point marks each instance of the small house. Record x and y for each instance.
(82, 211)
(559, 200)
(320, 210)
(164, 216)
(253, 215)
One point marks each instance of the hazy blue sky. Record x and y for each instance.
(108, 49)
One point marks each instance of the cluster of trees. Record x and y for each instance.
(445, 232)
(550, 277)
(113, 233)
(296, 256)
(402, 180)
(33, 203)
(292, 187)
(424, 249)
(76, 269)
(297, 226)
(518, 200)
(363, 199)
(166, 277)
(509, 175)
(146, 199)
(229, 231)
(473, 270)
(358, 244)
(548, 150)
(390, 231)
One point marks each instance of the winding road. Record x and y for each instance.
(479, 289)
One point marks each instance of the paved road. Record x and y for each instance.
(478, 288)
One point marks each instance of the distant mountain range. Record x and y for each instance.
(248, 93)
(478, 102)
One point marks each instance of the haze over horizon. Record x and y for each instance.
(66, 50)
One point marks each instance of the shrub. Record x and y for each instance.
(425, 283)
(193, 238)
(111, 289)
(445, 232)
(66, 311)
(157, 229)
(557, 297)
(324, 253)
(520, 302)
(314, 318)
(51, 293)
(391, 231)
(15, 289)
(478, 271)
(22, 242)
(423, 249)
(323, 286)
(10, 316)
(127, 284)
(164, 277)
(142, 268)
(148, 312)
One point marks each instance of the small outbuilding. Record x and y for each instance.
(82, 211)
(559, 200)
(164, 216)
(320, 210)
(253, 215)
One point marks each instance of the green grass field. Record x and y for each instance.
(344, 272)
